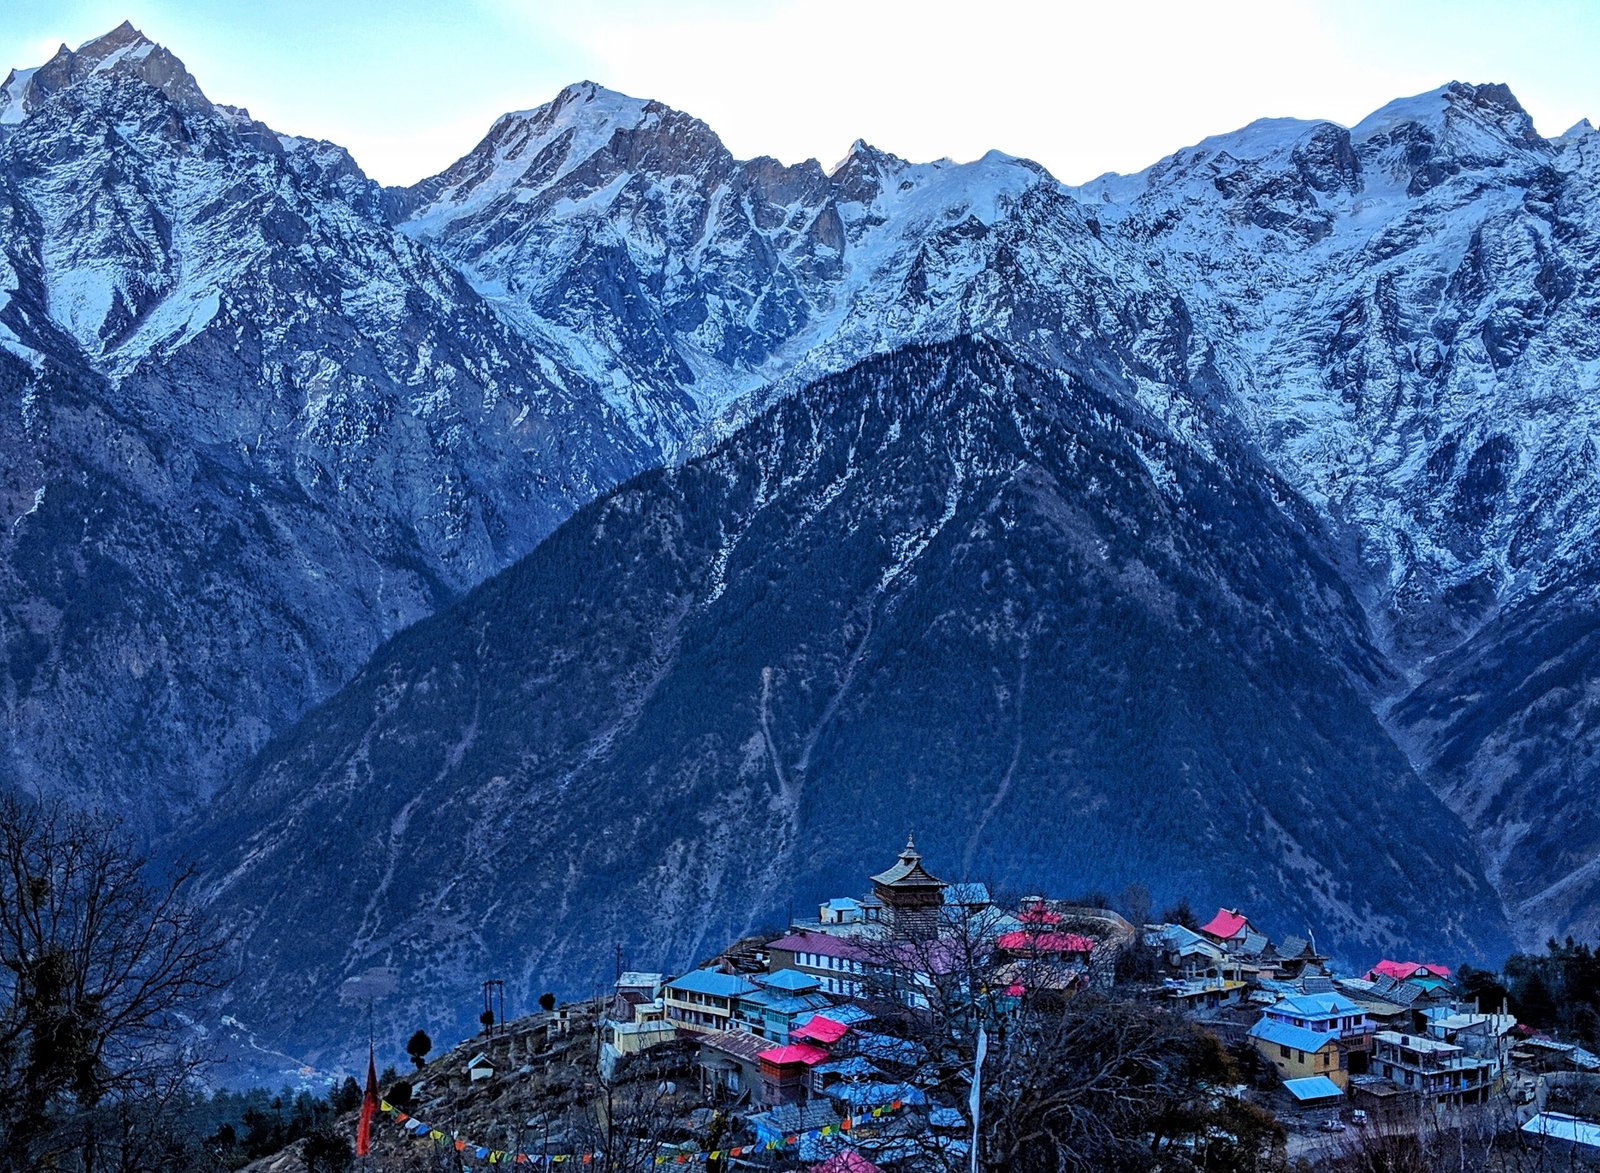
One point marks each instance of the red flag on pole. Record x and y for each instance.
(369, 1108)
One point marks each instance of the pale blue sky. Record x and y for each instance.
(409, 85)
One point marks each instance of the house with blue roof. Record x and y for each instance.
(702, 1001)
(1309, 1035)
(780, 1003)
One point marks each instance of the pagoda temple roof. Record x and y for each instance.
(908, 872)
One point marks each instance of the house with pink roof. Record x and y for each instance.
(1230, 926)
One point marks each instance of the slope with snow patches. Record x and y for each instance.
(264, 413)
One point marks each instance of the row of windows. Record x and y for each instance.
(822, 961)
(1300, 1056)
(693, 1017)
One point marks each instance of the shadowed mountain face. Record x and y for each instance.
(249, 430)
(944, 590)
(258, 414)
(1509, 723)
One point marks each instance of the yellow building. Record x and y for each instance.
(1311, 1034)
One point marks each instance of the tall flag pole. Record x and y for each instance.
(369, 1106)
(975, 1100)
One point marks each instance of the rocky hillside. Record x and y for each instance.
(944, 591)
(258, 414)
(249, 431)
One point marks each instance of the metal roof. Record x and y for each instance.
(1564, 1127)
(820, 1028)
(855, 1067)
(792, 980)
(1312, 1087)
(849, 1014)
(741, 1044)
(1316, 1006)
(1227, 923)
(712, 983)
(1284, 1034)
(793, 1053)
(823, 944)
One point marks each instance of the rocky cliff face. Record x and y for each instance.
(698, 287)
(249, 430)
(944, 590)
(1406, 313)
(258, 414)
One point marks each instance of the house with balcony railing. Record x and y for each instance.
(1432, 1068)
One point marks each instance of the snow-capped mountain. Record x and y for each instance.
(261, 414)
(624, 235)
(1407, 316)
(1401, 314)
(249, 430)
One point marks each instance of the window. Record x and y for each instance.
(1283, 1051)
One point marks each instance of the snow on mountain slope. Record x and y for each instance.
(336, 406)
(259, 428)
(1402, 315)
(1407, 314)
(625, 235)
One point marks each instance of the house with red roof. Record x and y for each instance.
(1408, 971)
(838, 963)
(1229, 926)
(819, 1029)
(786, 1071)
(1042, 944)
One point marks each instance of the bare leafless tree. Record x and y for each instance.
(1073, 1079)
(99, 961)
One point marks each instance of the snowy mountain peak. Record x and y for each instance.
(586, 129)
(1482, 120)
(1580, 136)
(124, 37)
(862, 173)
(122, 52)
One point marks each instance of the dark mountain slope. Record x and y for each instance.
(248, 430)
(1509, 723)
(944, 591)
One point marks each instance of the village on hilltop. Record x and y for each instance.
(867, 1037)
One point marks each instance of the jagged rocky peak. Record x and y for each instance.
(1429, 138)
(587, 135)
(1579, 147)
(123, 52)
(1579, 131)
(863, 172)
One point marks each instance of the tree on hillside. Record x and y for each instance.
(418, 1046)
(328, 1151)
(99, 959)
(1181, 914)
